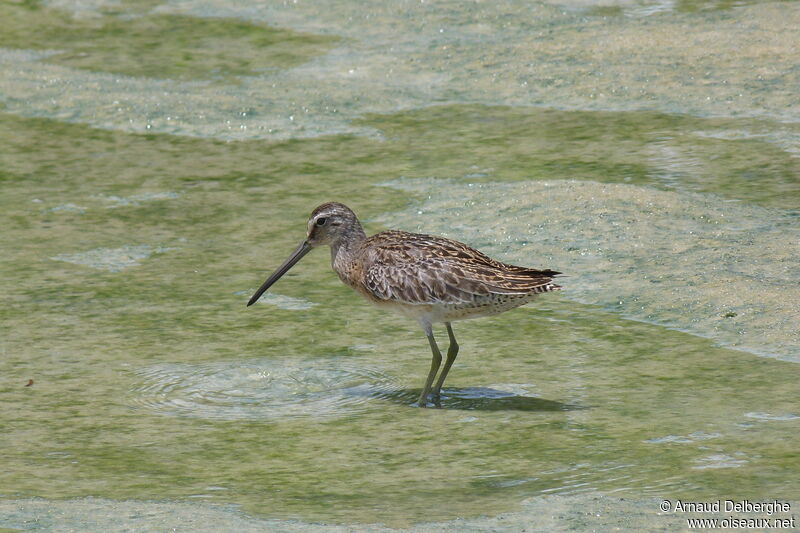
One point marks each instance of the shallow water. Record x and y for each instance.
(698, 263)
(261, 389)
(140, 211)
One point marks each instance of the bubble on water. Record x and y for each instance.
(364, 347)
(769, 416)
(261, 389)
(720, 461)
(288, 303)
(112, 259)
(683, 439)
(68, 208)
(137, 199)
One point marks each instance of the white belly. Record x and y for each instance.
(482, 306)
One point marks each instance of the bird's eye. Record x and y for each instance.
(321, 221)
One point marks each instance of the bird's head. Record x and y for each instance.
(329, 223)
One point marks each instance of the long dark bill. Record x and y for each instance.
(296, 256)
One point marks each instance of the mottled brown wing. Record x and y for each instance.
(420, 282)
(421, 269)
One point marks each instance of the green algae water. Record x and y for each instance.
(151, 178)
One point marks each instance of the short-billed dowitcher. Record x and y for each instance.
(430, 279)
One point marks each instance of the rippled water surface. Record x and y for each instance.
(258, 390)
(159, 158)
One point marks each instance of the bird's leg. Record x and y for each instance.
(452, 352)
(435, 362)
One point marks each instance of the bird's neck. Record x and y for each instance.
(343, 251)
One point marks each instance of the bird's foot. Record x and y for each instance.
(434, 401)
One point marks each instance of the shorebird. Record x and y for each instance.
(430, 279)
